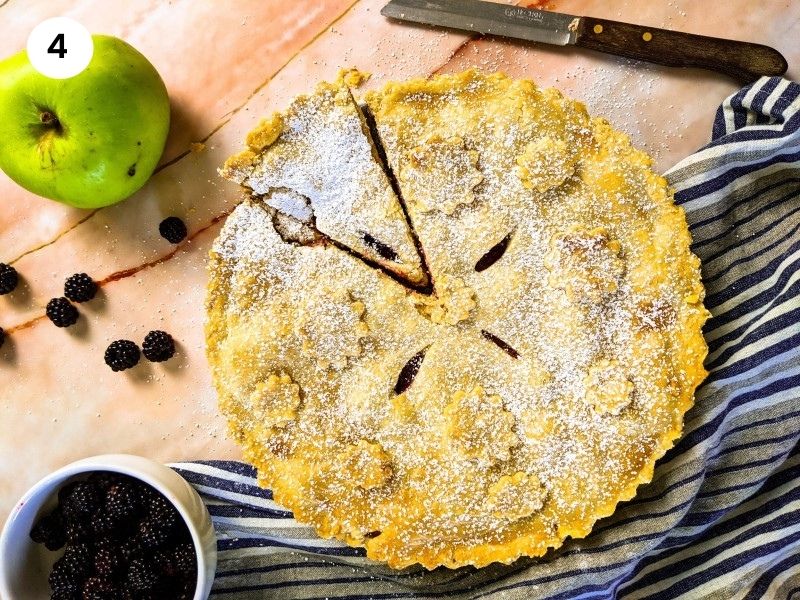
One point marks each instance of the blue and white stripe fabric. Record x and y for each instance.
(721, 519)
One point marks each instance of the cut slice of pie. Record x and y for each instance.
(315, 162)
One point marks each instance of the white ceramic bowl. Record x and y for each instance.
(25, 565)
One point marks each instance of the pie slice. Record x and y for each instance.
(315, 162)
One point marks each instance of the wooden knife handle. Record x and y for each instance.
(743, 61)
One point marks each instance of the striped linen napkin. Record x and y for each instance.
(721, 518)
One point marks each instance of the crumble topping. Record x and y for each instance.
(481, 426)
(454, 301)
(586, 263)
(516, 496)
(441, 175)
(546, 163)
(365, 465)
(274, 402)
(608, 389)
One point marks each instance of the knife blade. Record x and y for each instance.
(488, 18)
(744, 61)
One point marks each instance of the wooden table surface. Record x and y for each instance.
(225, 65)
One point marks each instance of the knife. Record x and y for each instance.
(743, 61)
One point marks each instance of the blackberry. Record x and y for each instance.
(9, 278)
(151, 535)
(108, 561)
(80, 287)
(78, 532)
(164, 513)
(158, 346)
(158, 505)
(130, 549)
(81, 501)
(122, 502)
(104, 479)
(77, 559)
(72, 594)
(49, 530)
(121, 355)
(104, 525)
(186, 559)
(65, 491)
(2, 337)
(165, 563)
(172, 229)
(141, 575)
(186, 590)
(63, 579)
(61, 312)
(146, 492)
(96, 588)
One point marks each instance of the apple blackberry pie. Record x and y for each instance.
(454, 325)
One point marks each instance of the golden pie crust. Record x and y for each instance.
(554, 359)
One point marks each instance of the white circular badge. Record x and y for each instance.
(60, 47)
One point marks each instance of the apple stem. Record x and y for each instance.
(48, 119)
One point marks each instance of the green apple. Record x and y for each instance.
(90, 140)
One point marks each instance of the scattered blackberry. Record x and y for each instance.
(96, 588)
(49, 530)
(8, 279)
(158, 346)
(122, 502)
(151, 534)
(172, 229)
(108, 561)
(121, 355)
(81, 502)
(141, 575)
(80, 287)
(61, 312)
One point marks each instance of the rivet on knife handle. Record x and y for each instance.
(744, 61)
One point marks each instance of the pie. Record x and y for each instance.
(455, 325)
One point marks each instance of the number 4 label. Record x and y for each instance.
(57, 46)
(60, 47)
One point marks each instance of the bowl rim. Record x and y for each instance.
(114, 463)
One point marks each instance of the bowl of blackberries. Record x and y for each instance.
(116, 527)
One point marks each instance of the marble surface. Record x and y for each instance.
(225, 65)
